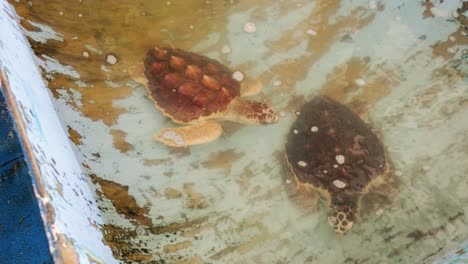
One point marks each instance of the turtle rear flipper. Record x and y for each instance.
(250, 87)
(185, 136)
(386, 185)
(137, 73)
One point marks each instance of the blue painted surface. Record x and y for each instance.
(22, 235)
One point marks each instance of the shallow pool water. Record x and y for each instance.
(401, 65)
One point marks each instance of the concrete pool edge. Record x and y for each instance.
(66, 204)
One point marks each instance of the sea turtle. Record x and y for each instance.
(195, 90)
(330, 151)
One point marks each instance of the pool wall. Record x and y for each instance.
(66, 205)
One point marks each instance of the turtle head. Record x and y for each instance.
(342, 214)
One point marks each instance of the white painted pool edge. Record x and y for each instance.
(66, 202)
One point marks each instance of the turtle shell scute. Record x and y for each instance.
(187, 86)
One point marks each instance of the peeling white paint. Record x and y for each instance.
(105, 69)
(74, 208)
(92, 48)
(51, 65)
(111, 83)
(46, 33)
(439, 12)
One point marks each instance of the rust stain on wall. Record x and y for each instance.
(118, 239)
(455, 41)
(427, 5)
(192, 260)
(222, 160)
(97, 101)
(74, 136)
(268, 195)
(341, 81)
(358, 85)
(196, 230)
(176, 227)
(120, 143)
(245, 177)
(195, 200)
(59, 188)
(179, 152)
(294, 103)
(171, 248)
(50, 213)
(157, 162)
(292, 71)
(66, 250)
(171, 193)
(123, 202)
(262, 237)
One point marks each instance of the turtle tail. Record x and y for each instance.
(247, 111)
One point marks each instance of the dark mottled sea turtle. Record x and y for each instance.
(332, 152)
(195, 90)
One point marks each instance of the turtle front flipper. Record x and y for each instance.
(250, 87)
(137, 73)
(185, 136)
(246, 111)
(386, 185)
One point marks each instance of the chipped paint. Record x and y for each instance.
(42, 33)
(120, 143)
(74, 136)
(123, 202)
(65, 201)
(222, 160)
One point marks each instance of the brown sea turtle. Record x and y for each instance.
(330, 151)
(195, 90)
